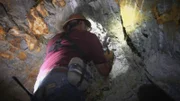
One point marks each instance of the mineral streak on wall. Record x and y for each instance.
(41, 9)
(60, 3)
(31, 40)
(36, 24)
(22, 55)
(21, 24)
(2, 33)
(170, 14)
(14, 44)
(6, 55)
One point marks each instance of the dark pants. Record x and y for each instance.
(55, 87)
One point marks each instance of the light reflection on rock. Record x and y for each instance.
(131, 12)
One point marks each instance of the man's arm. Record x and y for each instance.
(102, 60)
(105, 68)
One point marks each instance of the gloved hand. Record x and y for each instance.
(109, 56)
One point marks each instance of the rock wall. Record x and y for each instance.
(156, 39)
(144, 35)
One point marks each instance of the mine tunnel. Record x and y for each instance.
(144, 36)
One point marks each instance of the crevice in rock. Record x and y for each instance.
(128, 40)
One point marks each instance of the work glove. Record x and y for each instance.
(109, 55)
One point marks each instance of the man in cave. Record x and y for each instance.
(63, 75)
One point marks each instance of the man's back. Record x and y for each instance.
(57, 75)
(87, 42)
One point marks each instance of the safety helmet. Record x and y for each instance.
(76, 17)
